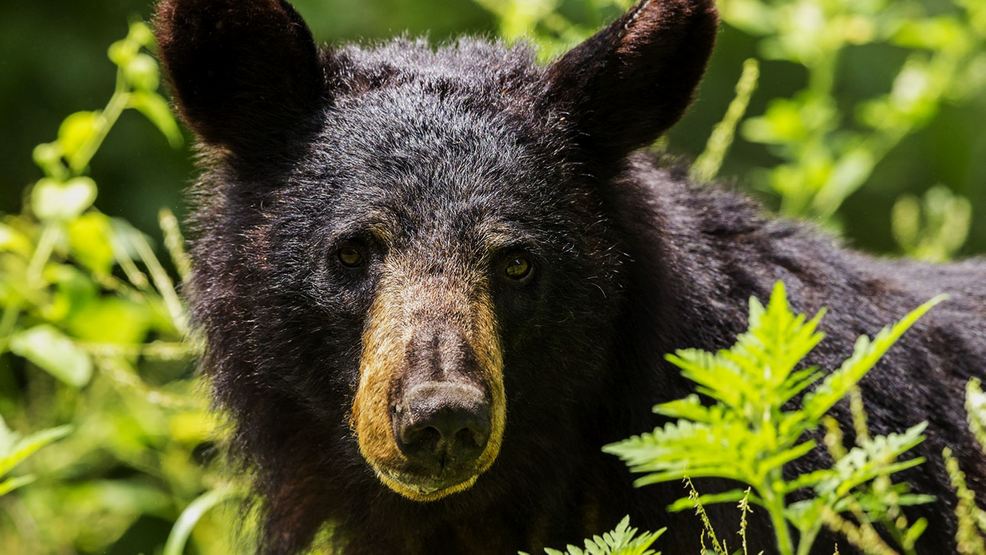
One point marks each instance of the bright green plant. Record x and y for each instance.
(970, 536)
(14, 449)
(541, 20)
(748, 436)
(92, 323)
(933, 228)
(826, 158)
(707, 165)
(623, 540)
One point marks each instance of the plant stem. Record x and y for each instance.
(774, 504)
(41, 254)
(107, 118)
(10, 314)
(807, 539)
(162, 282)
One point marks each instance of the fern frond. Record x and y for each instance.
(866, 353)
(623, 540)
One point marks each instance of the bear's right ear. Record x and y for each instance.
(629, 82)
(245, 74)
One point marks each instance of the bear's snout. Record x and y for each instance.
(443, 426)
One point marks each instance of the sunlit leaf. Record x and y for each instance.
(623, 540)
(14, 241)
(20, 449)
(866, 354)
(111, 320)
(54, 352)
(10, 484)
(55, 201)
(189, 518)
(142, 72)
(90, 241)
(156, 109)
(76, 131)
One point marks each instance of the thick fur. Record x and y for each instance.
(465, 155)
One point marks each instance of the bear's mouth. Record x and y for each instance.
(424, 488)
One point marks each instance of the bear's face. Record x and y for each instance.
(444, 240)
(422, 235)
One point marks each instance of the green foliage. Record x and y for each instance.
(14, 449)
(942, 230)
(623, 540)
(826, 158)
(975, 406)
(971, 519)
(707, 165)
(752, 429)
(823, 154)
(543, 21)
(93, 325)
(971, 533)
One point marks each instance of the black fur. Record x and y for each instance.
(307, 149)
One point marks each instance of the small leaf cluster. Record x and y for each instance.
(764, 405)
(623, 540)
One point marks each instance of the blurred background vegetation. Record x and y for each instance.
(866, 116)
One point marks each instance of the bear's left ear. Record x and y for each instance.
(246, 74)
(631, 81)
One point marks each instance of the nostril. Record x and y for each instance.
(442, 423)
(427, 437)
(471, 438)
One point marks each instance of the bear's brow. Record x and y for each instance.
(507, 235)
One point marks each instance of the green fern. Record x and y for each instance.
(623, 540)
(748, 436)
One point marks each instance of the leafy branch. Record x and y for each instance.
(746, 434)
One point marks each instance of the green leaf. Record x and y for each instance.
(12, 240)
(734, 496)
(623, 540)
(54, 352)
(111, 320)
(876, 458)
(189, 518)
(11, 484)
(142, 72)
(155, 108)
(122, 52)
(866, 354)
(74, 290)
(55, 201)
(90, 241)
(15, 453)
(76, 131)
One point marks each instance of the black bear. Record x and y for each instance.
(435, 282)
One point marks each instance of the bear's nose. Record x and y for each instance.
(440, 425)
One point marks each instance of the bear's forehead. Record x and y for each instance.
(410, 147)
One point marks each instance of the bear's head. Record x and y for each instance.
(405, 265)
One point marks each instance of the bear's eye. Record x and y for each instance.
(518, 268)
(351, 256)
